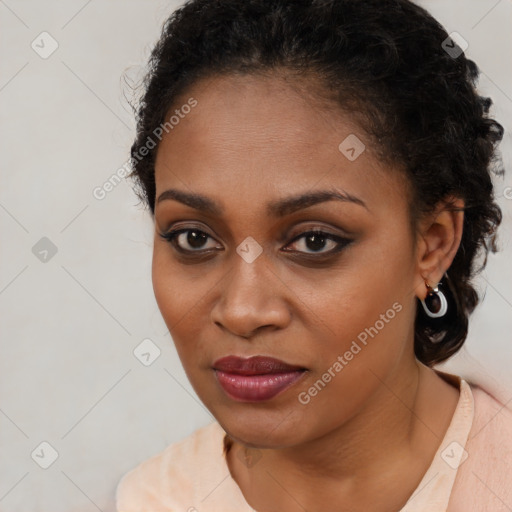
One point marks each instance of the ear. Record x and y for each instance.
(438, 241)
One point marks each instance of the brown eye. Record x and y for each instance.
(314, 242)
(188, 239)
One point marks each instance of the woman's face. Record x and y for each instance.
(247, 279)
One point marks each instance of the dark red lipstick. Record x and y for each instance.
(256, 378)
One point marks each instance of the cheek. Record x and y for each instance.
(361, 332)
(165, 284)
(351, 365)
(175, 295)
(182, 295)
(178, 288)
(375, 276)
(367, 313)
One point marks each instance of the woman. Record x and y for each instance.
(319, 175)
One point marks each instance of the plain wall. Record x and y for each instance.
(69, 325)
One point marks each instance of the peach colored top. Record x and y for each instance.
(471, 470)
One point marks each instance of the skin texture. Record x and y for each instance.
(374, 429)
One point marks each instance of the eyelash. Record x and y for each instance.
(171, 236)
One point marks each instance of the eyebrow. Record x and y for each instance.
(277, 208)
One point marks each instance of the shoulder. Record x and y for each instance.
(484, 479)
(492, 423)
(170, 479)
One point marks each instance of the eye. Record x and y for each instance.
(194, 238)
(316, 240)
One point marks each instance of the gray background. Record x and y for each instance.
(70, 321)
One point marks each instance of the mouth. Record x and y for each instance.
(257, 378)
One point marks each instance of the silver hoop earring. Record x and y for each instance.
(435, 303)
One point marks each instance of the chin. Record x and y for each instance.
(261, 433)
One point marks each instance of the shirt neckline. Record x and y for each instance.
(434, 491)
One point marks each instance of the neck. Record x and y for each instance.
(385, 447)
(386, 425)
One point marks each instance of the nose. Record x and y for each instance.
(253, 298)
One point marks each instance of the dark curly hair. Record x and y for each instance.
(387, 63)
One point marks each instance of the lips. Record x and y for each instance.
(257, 378)
(256, 365)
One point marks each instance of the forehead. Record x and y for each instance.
(253, 135)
